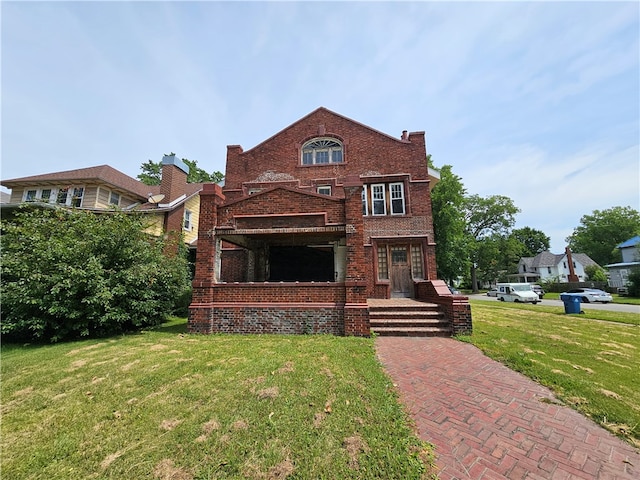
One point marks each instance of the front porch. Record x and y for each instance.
(323, 308)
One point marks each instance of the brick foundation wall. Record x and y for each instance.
(356, 320)
(269, 319)
(283, 307)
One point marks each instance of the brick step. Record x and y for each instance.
(413, 331)
(375, 314)
(409, 322)
(408, 318)
(416, 307)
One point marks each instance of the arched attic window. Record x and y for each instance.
(320, 151)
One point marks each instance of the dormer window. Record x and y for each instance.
(322, 151)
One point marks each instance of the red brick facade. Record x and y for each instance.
(310, 223)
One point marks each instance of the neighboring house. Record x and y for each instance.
(313, 222)
(172, 206)
(550, 266)
(619, 272)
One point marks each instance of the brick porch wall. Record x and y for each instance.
(271, 319)
(283, 307)
(456, 308)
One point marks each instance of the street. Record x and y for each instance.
(614, 307)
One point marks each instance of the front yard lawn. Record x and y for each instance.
(591, 363)
(165, 404)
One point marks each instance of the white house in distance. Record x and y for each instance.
(548, 266)
(619, 272)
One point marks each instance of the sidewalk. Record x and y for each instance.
(489, 422)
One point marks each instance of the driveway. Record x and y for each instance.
(489, 422)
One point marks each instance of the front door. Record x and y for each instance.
(401, 283)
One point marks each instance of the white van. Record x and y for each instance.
(517, 292)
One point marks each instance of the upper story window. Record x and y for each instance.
(378, 199)
(321, 151)
(114, 199)
(38, 195)
(187, 224)
(324, 189)
(381, 199)
(397, 198)
(70, 196)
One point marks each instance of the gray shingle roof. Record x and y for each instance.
(101, 173)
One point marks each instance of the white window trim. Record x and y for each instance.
(391, 199)
(26, 193)
(373, 200)
(109, 202)
(365, 201)
(187, 224)
(38, 194)
(328, 148)
(70, 195)
(323, 189)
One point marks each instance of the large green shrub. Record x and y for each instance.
(595, 273)
(67, 274)
(634, 282)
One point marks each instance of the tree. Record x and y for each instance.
(599, 233)
(634, 282)
(533, 241)
(447, 199)
(483, 217)
(152, 173)
(595, 273)
(69, 274)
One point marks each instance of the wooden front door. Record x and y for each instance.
(400, 274)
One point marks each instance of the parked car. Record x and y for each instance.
(539, 290)
(493, 292)
(591, 295)
(454, 290)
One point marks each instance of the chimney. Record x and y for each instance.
(404, 135)
(174, 178)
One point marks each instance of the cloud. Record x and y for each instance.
(554, 192)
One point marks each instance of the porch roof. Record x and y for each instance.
(283, 235)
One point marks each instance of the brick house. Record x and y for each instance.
(316, 225)
(173, 206)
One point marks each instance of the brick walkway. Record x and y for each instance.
(489, 422)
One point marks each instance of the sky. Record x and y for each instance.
(537, 101)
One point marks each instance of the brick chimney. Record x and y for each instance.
(174, 178)
(572, 273)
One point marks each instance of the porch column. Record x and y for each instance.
(356, 310)
(207, 268)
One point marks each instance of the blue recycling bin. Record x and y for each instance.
(571, 303)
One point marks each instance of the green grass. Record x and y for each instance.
(164, 404)
(591, 361)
